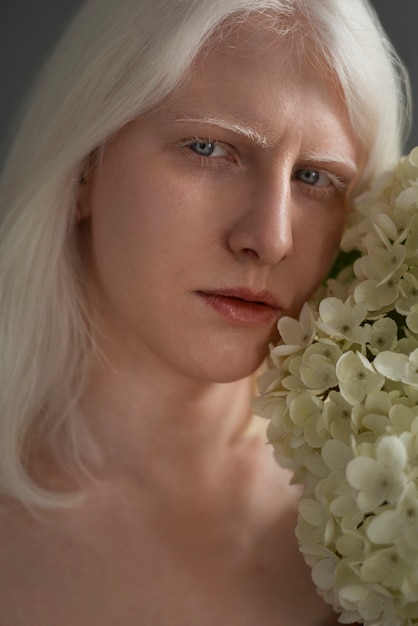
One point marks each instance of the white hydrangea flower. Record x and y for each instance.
(408, 199)
(344, 508)
(408, 286)
(412, 319)
(409, 589)
(336, 454)
(383, 335)
(342, 404)
(370, 421)
(325, 348)
(316, 467)
(336, 417)
(305, 411)
(338, 287)
(407, 344)
(376, 295)
(357, 377)
(398, 523)
(323, 574)
(387, 261)
(398, 366)
(313, 512)
(385, 567)
(353, 543)
(318, 373)
(342, 319)
(402, 418)
(363, 597)
(364, 268)
(381, 479)
(391, 224)
(411, 244)
(295, 334)
(292, 380)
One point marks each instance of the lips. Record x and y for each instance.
(243, 306)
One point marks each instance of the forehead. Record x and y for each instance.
(257, 75)
(284, 44)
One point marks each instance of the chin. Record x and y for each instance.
(228, 368)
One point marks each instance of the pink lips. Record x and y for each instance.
(243, 306)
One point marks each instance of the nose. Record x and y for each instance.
(263, 230)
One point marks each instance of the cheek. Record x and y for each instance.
(317, 249)
(129, 216)
(147, 228)
(329, 238)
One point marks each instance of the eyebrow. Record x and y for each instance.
(330, 157)
(241, 129)
(265, 141)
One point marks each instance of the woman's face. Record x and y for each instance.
(219, 212)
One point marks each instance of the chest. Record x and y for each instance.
(174, 561)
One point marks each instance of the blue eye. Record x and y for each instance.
(203, 148)
(313, 178)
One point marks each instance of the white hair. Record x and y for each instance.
(116, 61)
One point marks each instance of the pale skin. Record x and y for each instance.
(238, 180)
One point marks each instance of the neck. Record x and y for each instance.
(148, 413)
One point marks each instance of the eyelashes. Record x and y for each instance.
(320, 182)
(207, 148)
(211, 153)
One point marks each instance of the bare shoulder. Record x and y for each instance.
(223, 554)
(30, 551)
(23, 545)
(43, 563)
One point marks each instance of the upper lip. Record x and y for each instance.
(248, 295)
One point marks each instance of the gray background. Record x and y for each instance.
(29, 28)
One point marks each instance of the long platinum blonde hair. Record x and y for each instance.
(116, 61)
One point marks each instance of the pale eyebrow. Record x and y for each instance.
(331, 157)
(240, 129)
(265, 141)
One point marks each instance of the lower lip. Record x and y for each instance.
(241, 311)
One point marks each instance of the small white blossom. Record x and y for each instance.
(412, 319)
(411, 243)
(408, 286)
(385, 567)
(344, 507)
(295, 334)
(353, 544)
(387, 260)
(357, 377)
(398, 366)
(312, 511)
(325, 348)
(342, 319)
(408, 199)
(380, 479)
(323, 574)
(364, 598)
(383, 335)
(318, 373)
(402, 418)
(393, 225)
(336, 454)
(409, 589)
(400, 522)
(376, 295)
(336, 417)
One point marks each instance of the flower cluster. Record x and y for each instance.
(342, 399)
